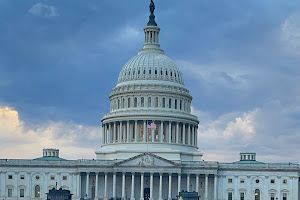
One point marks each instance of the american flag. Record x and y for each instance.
(151, 125)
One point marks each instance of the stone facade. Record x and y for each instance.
(149, 148)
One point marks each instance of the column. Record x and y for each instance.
(189, 134)
(120, 132)
(104, 134)
(87, 183)
(142, 186)
(58, 180)
(132, 186)
(193, 135)
(188, 182)
(197, 183)
(170, 132)
(144, 132)
(78, 185)
(177, 132)
(183, 133)
(179, 183)
(109, 133)
(136, 131)
(160, 187)
(170, 187)
(15, 194)
(103, 137)
(206, 187)
(29, 184)
(196, 136)
(215, 186)
(96, 186)
(151, 186)
(114, 184)
(127, 132)
(161, 131)
(115, 133)
(152, 134)
(123, 185)
(105, 185)
(46, 181)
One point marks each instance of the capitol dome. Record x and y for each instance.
(151, 66)
(150, 108)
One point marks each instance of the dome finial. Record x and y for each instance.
(152, 16)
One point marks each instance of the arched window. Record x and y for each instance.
(257, 194)
(166, 73)
(170, 103)
(175, 103)
(135, 102)
(142, 102)
(163, 102)
(171, 74)
(149, 71)
(118, 103)
(37, 191)
(155, 71)
(139, 71)
(180, 105)
(144, 71)
(156, 101)
(133, 72)
(128, 102)
(161, 72)
(149, 101)
(123, 104)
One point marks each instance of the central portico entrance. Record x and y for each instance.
(146, 193)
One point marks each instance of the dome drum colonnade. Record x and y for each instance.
(150, 88)
(132, 131)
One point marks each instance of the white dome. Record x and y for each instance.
(151, 65)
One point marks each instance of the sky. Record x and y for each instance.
(60, 59)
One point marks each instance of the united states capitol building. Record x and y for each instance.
(149, 148)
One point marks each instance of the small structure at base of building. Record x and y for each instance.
(59, 194)
(184, 195)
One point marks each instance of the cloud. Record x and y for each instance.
(20, 141)
(291, 34)
(271, 131)
(42, 10)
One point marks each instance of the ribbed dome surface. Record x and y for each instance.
(151, 66)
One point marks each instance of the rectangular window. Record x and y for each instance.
(272, 180)
(229, 195)
(52, 178)
(22, 177)
(229, 180)
(284, 196)
(9, 192)
(272, 196)
(242, 196)
(284, 181)
(65, 178)
(22, 191)
(242, 181)
(10, 177)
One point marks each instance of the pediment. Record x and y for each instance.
(146, 160)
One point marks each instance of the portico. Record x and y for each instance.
(148, 176)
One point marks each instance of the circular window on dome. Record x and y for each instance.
(257, 181)
(37, 177)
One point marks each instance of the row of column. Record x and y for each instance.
(142, 182)
(137, 131)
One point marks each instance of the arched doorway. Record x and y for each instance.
(257, 194)
(146, 193)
